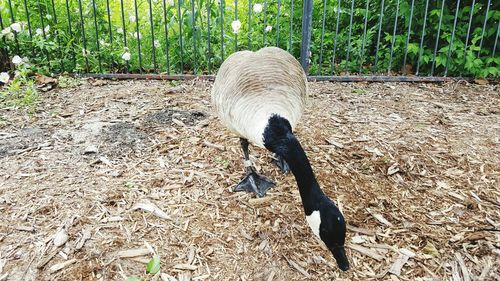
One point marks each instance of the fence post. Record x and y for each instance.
(306, 34)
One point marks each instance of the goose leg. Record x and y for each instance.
(252, 182)
(281, 163)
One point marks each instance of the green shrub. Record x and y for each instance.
(96, 44)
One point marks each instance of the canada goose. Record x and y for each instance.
(260, 96)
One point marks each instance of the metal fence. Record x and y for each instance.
(408, 39)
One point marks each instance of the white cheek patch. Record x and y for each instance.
(314, 221)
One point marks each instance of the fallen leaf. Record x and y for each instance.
(153, 265)
(430, 249)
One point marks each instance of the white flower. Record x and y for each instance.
(236, 25)
(16, 27)
(47, 29)
(257, 8)
(171, 3)
(4, 77)
(156, 44)
(126, 56)
(39, 31)
(103, 43)
(17, 60)
(48, 16)
(6, 30)
(269, 28)
(132, 18)
(137, 35)
(120, 30)
(85, 52)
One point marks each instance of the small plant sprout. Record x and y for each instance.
(4, 77)
(257, 8)
(156, 43)
(236, 25)
(132, 18)
(39, 32)
(119, 30)
(17, 60)
(48, 16)
(16, 27)
(153, 265)
(269, 28)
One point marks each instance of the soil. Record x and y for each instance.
(130, 169)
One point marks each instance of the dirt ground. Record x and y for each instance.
(114, 172)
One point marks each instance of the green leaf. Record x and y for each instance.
(133, 278)
(153, 265)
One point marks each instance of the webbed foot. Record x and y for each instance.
(255, 183)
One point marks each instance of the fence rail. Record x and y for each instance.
(193, 37)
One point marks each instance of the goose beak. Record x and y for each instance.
(340, 257)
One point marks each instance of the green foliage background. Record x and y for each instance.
(208, 38)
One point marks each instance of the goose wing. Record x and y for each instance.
(252, 86)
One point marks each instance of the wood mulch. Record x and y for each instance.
(102, 176)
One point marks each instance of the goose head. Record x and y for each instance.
(328, 224)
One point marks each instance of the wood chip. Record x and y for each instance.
(486, 270)
(365, 231)
(85, 236)
(375, 151)
(166, 277)
(260, 201)
(271, 276)
(201, 277)
(297, 267)
(335, 143)
(379, 217)
(407, 252)
(47, 258)
(461, 263)
(366, 251)
(152, 208)
(213, 145)
(455, 275)
(398, 264)
(133, 253)
(184, 266)
(25, 228)
(59, 266)
(245, 234)
(394, 168)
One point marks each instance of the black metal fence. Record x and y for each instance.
(184, 37)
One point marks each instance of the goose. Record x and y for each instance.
(260, 96)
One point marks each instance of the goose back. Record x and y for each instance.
(252, 86)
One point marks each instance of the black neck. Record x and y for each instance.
(278, 138)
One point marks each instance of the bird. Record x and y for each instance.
(260, 96)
